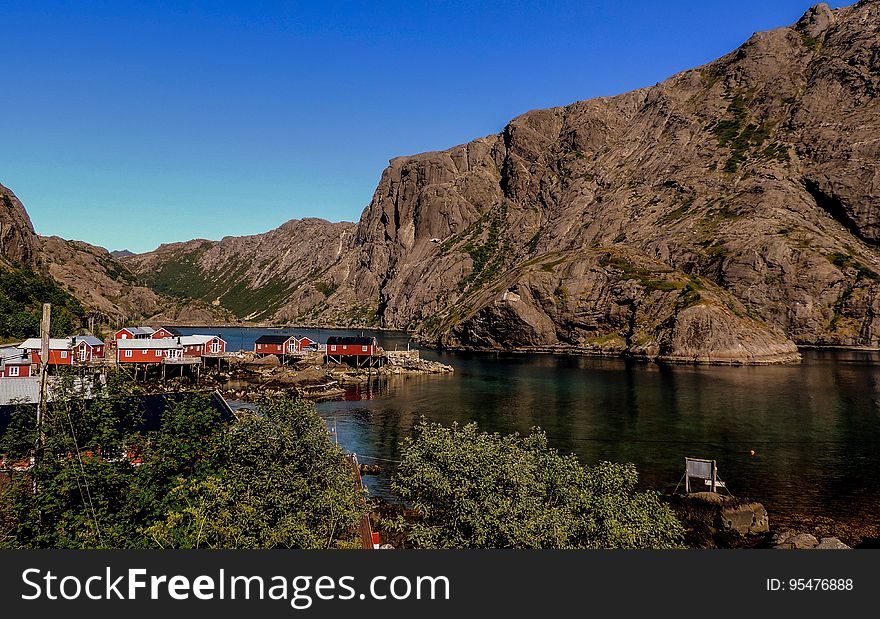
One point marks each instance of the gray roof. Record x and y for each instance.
(55, 343)
(139, 330)
(161, 343)
(19, 390)
(14, 356)
(27, 390)
(91, 340)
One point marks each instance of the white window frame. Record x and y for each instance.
(363, 348)
(158, 352)
(128, 352)
(64, 354)
(14, 370)
(332, 347)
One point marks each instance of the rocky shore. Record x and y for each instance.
(312, 377)
(715, 521)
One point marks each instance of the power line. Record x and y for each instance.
(85, 478)
(377, 458)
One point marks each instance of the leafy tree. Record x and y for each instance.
(283, 485)
(269, 480)
(470, 489)
(22, 293)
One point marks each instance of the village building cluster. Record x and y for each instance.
(143, 345)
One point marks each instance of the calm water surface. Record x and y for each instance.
(815, 426)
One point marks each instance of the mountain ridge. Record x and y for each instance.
(726, 214)
(108, 292)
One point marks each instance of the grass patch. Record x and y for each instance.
(845, 261)
(326, 288)
(549, 267)
(741, 137)
(646, 278)
(360, 314)
(708, 78)
(22, 294)
(560, 294)
(489, 251)
(811, 43)
(532, 245)
(678, 213)
(605, 339)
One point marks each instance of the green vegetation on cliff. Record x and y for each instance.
(22, 294)
(179, 275)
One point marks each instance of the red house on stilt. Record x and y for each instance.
(359, 351)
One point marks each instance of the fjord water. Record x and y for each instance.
(815, 426)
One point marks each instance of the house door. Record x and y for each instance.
(83, 353)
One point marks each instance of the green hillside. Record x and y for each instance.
(22, 294)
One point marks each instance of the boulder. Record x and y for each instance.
(713, 520)
(796, 541)
(745, 518)
(831, 543)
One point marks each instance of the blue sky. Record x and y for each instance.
(128, 124)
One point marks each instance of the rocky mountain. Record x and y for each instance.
(107, 290)
(256, 277)
(17, 236)
(725, 214)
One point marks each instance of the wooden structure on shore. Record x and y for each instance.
(705, 470)
(368, 541)
(357, 351)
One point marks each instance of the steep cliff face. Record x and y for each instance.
(736, 203)
(17, 237)
(255, 277)
(722, 215)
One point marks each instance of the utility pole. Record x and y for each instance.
(44, 365)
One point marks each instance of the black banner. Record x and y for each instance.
(426, 584)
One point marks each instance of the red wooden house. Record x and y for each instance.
(165, 332)
(282, 344)
(87, 348)
(67, 351)
(60, 350)
(202, 345)
(147, 350)
(302, 343)
(273, 344)
(355, 350)
(352, 345)
(134, 333)
(14, 362)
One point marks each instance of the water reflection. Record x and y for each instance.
(815, 426)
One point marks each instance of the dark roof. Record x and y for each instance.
(91, 340)
(172, 331)
(351, 340)
(272, 339)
